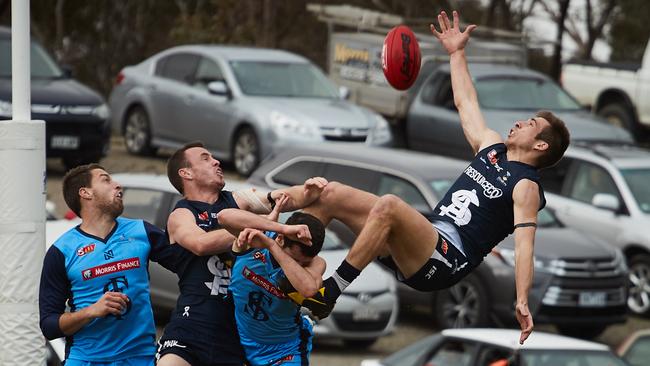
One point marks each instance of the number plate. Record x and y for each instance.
(65, 142)
(365, 314)
(592, 299)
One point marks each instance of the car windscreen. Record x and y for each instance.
(515, 93)
(42, 65)
(569, 357)
(441, 186)
(637, 180)
(282, 79)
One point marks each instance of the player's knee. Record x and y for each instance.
(386, 206)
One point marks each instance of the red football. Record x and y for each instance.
(400, 57)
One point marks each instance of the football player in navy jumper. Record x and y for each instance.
(496, 195)
(202, 329)
(99, 268)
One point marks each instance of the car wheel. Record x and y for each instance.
(638, 300)
(620, 116)
(463, 305)
(246, 151)
(359, 343)
(583, 332)
(137, 132)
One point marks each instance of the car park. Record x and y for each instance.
(499, 347)
(506, 94)
(567, 262)
(367, 309)
(77, 127)
(239, 101)
(603, 190)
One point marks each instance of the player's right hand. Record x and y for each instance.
(113, 303)
(299, 233)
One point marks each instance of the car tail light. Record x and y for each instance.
(119, 78)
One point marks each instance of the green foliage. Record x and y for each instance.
(630, 31)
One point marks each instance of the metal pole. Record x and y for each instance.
(22, 218)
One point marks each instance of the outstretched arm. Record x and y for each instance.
(454, 41)
(235, 221)
(298, 196)
(526, 204)
(183, 230)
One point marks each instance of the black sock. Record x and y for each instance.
(341, 279)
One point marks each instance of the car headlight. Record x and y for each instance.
(283, 124)
(5, 109)
(101, 111)
(508, 257)
(381, 132)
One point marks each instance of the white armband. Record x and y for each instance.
(255, 203)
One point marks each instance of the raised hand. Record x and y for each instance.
(450, 36)
(525, 321)
(313, 188)
(114, 303)
(253, 238)
(280, 203)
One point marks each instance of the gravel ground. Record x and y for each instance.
(411, 326)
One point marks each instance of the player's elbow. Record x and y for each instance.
(227, 217)
(309, 290)
(50, 327)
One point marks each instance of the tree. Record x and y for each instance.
(630, 31)
(594, 18)
(559, 16)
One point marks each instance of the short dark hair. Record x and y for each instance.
(556, 136)
(73, 181)
(316, 228)
(178, 161)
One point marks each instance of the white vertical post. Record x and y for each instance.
(22, 217)
(20, 61)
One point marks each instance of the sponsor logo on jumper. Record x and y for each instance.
(112, 267)
(186, 311)
(203, 216)
(222, 274)
(213, 215)
(85, 250)
(172, 343)
(109, 254)
(406, 62)
(263, 283)
(459, 207)
(282, 360)
(492, 156)
(260, 257)
(444, 246)
(489, 190)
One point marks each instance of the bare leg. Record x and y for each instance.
(395, 227)
(385, 225)
(171, 359)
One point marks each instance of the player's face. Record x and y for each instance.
(107, 193)
(206, 170)
(523, 133)
(295, 253)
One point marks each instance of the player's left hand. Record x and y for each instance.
(253, 238)
(313, 188)
(280, 203)
(525, 320)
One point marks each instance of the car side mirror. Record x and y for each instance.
(344, 92)
(219, 88)
(606, 201)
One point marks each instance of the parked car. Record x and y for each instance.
(604, 190)
(564, 291)
(616, 91)
(77, 127)
(499, 347)
(366, 310)
(506, 94)
(635, 349)
(238, 101)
